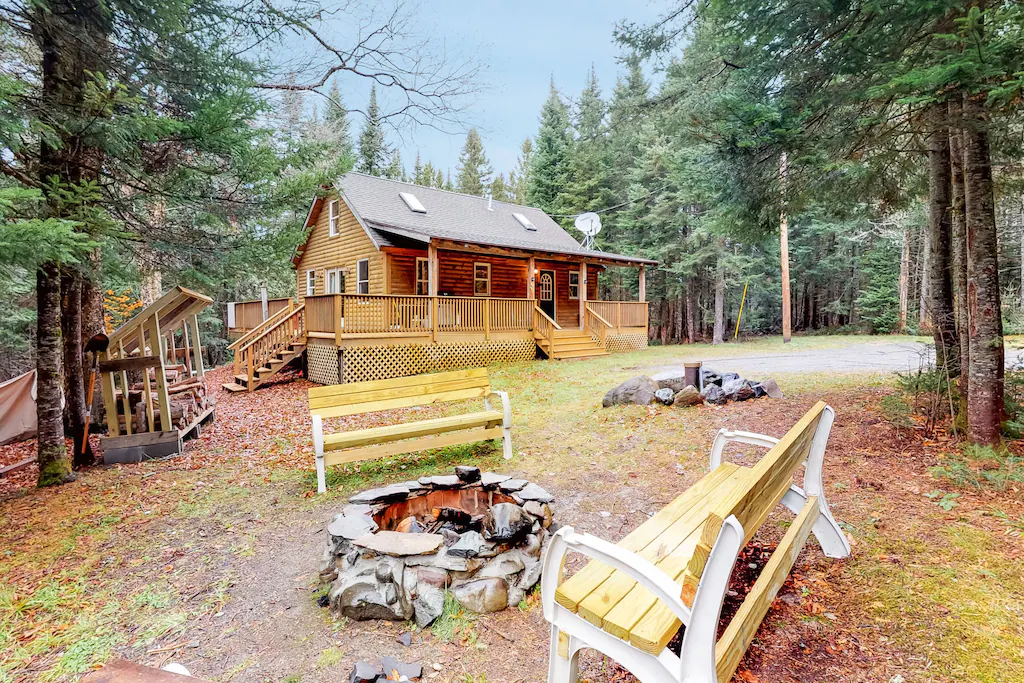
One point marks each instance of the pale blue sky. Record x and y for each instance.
(521, 44)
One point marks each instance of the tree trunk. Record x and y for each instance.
(940, 284)
(719, 332)
(922, 299)
(985, 384)
(691, 310)
(787, 313)
(92, 318)
(74, 373)
(905, 281)
(959, 230)
(52, 456)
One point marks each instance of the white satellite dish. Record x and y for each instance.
(589, 224)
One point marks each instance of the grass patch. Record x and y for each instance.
(981, 467)
(454, 623)
(332, 656)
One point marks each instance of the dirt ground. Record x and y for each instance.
(209, 559)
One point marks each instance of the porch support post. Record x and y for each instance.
(531, 279)
(432, 269)
(386, 259)
(583, 292)
(643, 283)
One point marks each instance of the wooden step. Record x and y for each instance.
(233, 387)
(576, 344)
(581, 353)
(244, 379)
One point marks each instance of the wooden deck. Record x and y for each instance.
(364, 320)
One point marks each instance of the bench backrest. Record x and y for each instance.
(754, 492)
(402, 392)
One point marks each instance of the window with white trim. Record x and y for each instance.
(422, 276)
(481, 279)
(310, 282)
(334, 281)
(333, 217)
(363, 276)
(574, 284)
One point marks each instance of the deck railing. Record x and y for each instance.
(621, 314)
(256, 354)
(545, 327)
(249, 314)
(595, 325)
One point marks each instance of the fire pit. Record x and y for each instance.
(393, 552)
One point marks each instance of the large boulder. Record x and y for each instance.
(671, 379)
(483, 595)
(738, 389)
(709, 376)
(687, 396)
(639, 390)
(713, 394)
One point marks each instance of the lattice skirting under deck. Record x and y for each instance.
(616, 343)
(322, 362)
(364, 363)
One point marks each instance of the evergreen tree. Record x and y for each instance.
(373, 150)
(438, 180)
(499, 189)
(395, 170)
(588, 186)
(549, 167)
(473, 170)
(336, 123)
(519, 179)
(417, 170)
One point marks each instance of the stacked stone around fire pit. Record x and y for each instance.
(393, 552)
(672, 388)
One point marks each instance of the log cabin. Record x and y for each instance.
(396, 279)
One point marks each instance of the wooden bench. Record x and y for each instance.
(674, 569)
(358, 398)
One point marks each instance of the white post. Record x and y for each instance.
(266, 304)
(583, 292)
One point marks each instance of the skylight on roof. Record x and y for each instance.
(414, 204)
(525, 222)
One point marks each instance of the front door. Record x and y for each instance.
(546, 292)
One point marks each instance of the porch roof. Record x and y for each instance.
(456, 217)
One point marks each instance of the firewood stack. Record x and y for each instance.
(188, 397)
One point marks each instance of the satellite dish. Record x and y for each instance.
(589, 224)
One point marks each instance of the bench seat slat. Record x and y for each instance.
(404, 402)
(410, 381)
(425, 443)
(410, 430)
(575, 589)
(364, 399)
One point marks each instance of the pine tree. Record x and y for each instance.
(417, 170)
(473, 172)
(438, 181)
(588, 186)
(395, 170)
(336, 122)
(499, 189)
(373, 149)
(549, 167)
(519, 179)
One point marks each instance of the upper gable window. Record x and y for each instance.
(333, 212)
(525, 222)
(414, 204)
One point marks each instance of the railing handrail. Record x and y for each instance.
(258, 329)
(599, 317)
(425, 296)
(547, 317)
(293, 311)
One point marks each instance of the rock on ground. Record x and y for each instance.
(639, 390)
(687, 396)
(713, 394)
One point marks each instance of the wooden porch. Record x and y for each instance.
(346, 321)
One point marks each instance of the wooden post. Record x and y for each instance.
(339, 310)
(172, 349)
(433, 319)
(583, 292)
(107, 387)
(145, 377)
(386, 258)
(487, 319)
(643, 284)
(161, 379)
(128, 428)
(432, 269)
(618, 317)
(531, 279)
(185, 345)
(197, 346)
(787, 324)
(264, 302)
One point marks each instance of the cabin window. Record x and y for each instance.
(333, 225)
(574, 284)
(334, 282)
(310, 282)
(363, 276)
(422, 276)
(481, 279)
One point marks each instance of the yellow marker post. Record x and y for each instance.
(740, 315)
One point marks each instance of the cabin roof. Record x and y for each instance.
(389, 220)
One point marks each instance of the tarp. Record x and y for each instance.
(18, 408)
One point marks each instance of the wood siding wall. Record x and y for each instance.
(350, 245)
(403, 271)
(508, 275)
(567, 311)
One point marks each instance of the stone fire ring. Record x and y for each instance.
(489, 560)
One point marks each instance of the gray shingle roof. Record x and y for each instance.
(457, 217)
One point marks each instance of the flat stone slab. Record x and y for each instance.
(490, 480)
(534, 492)
(445, 481)
(399, 544)
(387, 494)
(510, 485)
(351, 526)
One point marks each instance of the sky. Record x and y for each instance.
(521, 44)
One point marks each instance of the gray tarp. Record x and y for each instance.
(18, 408)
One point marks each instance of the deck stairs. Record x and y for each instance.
(571, 344)
(269, 348)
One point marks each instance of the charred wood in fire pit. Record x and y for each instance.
(506, 522)
(456, 516)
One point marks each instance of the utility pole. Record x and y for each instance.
(787, 324)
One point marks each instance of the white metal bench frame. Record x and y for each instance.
(696, 663)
